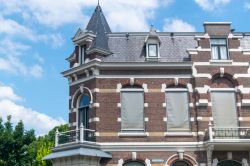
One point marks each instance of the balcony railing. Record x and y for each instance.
(228, 134)
(80, 135)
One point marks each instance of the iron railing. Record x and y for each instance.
(228, 133)
(80, 135)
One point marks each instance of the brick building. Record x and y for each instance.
(157, 98)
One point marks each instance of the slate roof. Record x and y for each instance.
(132, 49)
(99, 26)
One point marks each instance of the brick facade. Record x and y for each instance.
(103, 79)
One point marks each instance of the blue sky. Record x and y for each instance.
(35, 39)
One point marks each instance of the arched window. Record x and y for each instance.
(134, 163)
(83, 114)
(181, 163)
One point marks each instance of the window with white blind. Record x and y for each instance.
(224, 108)
(177, 107)
(132, 110)
(219, 49)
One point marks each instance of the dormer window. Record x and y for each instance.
(219, 49)
(152, 51)
(82, 56)
(152, 43)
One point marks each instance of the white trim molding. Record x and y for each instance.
(243, 90)
(202, 90)
(95, 119)
(245, 102)
(202, 103)
(96, 105)
(246, 51)
(133, 134)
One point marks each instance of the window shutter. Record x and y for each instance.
(177, 111)
(132, 105)
(224, 109)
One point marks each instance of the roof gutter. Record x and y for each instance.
(129, 66)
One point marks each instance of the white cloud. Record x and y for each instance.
(177, 25)
(36, 71)
(42, 123)
(7, 92)
(55, 40)
(12, 28)
(129, 15)
(210, 5)
(166, 2)
(247, 5)
(10, 59)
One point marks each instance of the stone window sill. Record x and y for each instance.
(178, 133)
(133, 134)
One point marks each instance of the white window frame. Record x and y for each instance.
(153, 42)
(226, 39)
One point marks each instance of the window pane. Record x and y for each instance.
(223, 52)
(152, 50)
(82, 54)
(132, 116)
(85, 101)
(134, 163)
(218, 41)
(215, 52)
(84, 117)
(177, 111)
(224, 109)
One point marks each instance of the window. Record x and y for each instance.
(177, 110)
(83, 114)
(152, 51)
(133, 163)
(224, 115)
(132, 115)
(219, 49)
(82, 54)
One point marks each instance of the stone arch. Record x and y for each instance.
(229, 163)
(77, 95)
(223, 81)
(187, 158)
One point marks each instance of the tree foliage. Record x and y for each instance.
(14, 143)
(21, 148)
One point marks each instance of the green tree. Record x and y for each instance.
(14, 143)
(21, 148)
(45, 144)
(44, 150)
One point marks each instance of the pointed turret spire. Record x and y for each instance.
(100, 27)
